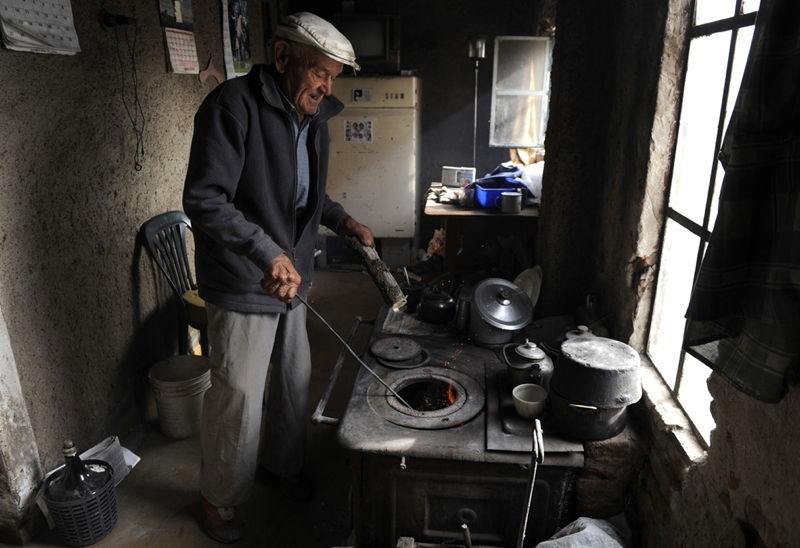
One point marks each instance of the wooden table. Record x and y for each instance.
(460, 222)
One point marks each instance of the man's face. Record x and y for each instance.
(309, 76)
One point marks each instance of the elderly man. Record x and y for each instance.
(255, 192)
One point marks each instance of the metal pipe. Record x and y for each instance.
(353, 352)
(475, 121)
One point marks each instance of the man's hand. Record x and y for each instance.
(281, 280)
(351, 227)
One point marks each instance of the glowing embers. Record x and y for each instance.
(429, 394)
(439, 398)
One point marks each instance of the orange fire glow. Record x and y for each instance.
(451, 394)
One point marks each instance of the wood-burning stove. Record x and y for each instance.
(423, 472)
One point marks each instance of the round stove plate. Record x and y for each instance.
(470, 398)
(395, 349)
(417, 361)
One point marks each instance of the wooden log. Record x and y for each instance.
(379, 273)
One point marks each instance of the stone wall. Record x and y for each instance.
(743, 492)
(84, 315)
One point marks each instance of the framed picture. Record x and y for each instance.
(236, 37)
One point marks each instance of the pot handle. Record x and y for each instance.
(581, 406)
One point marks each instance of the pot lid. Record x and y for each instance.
(601, 353)
(530, 350)
(396, 349)
(502, 304)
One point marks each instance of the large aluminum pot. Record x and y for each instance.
(499, 309)
(581, 421)
(595, 380)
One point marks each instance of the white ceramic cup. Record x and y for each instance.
(529, 400)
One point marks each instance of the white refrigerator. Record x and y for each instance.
(374, 155)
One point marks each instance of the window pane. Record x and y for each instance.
(521, 65)
(678, 257)
(702, 99)
(743, 40)
(518, 121)
(694, 397)
(750, 5)
(711, 10)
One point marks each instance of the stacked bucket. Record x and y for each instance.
(180, 384)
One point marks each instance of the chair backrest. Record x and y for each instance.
(165, 239)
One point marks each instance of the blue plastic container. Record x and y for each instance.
(487, 193)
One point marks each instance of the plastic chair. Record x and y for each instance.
(165, 239)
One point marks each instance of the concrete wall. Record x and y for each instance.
(84, 317)
(434, 36)
(20, 468)
(616, 79)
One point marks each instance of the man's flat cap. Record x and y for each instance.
(309, 29)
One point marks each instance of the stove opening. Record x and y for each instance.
(429, 394)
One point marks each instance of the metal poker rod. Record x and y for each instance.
(347, 346)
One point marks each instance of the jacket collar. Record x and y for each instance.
(267, 77)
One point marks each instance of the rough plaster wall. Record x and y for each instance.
(79, 298)
(642, 269)
(574, 177)
(745, 493)
(634, 66)
(594, 210)
(434, 36)
(20, 469)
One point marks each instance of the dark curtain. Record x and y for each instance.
(744, 313)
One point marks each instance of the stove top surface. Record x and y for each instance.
(372, 424)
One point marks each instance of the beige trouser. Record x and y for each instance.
(241, 348)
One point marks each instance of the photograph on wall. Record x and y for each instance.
(176, 14)
(358, 131)
(236, 37)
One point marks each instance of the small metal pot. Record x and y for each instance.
(499, 309)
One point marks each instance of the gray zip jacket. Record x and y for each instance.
(241, 187)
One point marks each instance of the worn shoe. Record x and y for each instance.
(299, 488)
(220, 522)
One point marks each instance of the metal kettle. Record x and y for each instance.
(527, 363)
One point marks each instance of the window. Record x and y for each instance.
(520, 91)
(720, 42)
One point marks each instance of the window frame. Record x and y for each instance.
(733, 24)
(545, 93)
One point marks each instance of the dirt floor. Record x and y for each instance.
(158, 502)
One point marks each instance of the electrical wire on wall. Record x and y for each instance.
(130, 98)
